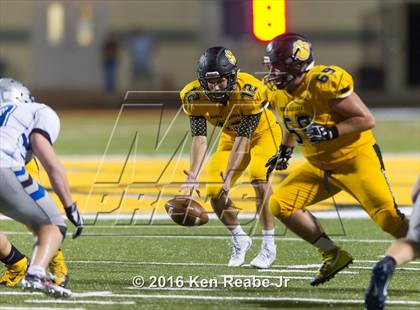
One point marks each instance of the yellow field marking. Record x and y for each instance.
(146, 184)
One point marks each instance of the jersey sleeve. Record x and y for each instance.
(248, 125)
(253, 96)
(198, 126)
(47, 123)
(335, 83)
(189, 94)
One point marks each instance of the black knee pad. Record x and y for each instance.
(63, 230)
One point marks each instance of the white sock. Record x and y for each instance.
(36, 270)
(324, 243)
(238, 231)
(268, 236)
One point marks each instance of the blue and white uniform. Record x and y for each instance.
(414, 228)
(21, 197)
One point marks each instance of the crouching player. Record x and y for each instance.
(231, 100)
(29, 127)
(327, 118)
(16, 264)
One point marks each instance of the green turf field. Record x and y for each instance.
(88, 133)
(104, 261)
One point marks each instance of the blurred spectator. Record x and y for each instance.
(371, 73)
(141, 50)
(110, 50)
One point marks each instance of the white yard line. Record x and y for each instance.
(145, 263)
(210, 237)
(350, 213)
(280, 239)
(19, 293)
(222, 298)
(82, 294)
(202, 264)
(301, 271)
(399, 268)
(37, 308)
(258, 298)
(92, 294)
(91, 302)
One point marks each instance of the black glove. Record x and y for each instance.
(317, 133)
(74, 216)
(280, 161)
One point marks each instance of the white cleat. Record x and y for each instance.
(266, 257)
(240, 245)
(35, 283)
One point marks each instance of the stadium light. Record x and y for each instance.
(268, 19)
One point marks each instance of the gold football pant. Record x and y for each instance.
(262, 147)
(362, 177)
(33, 169)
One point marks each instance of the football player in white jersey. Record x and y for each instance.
(400, 252)
(26, 128)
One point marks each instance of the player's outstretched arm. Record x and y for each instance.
(280, 160)
(198, 152)
(356, 115)
(44, 151)
(288, 139)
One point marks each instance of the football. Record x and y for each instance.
(186, 212)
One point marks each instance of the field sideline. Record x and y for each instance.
(160, 131)
(142, 185)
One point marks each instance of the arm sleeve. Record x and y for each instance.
(188, 97)
(337, 85)
(47, 124)
(248, 125)
(198, 125)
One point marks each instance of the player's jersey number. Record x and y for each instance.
(302, 122)
(323, 78)
(5, 112)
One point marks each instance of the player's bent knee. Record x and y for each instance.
(391, 222)
(213, 191)
(279, 209)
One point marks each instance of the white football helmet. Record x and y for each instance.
(14, 91)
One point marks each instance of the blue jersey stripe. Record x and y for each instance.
(38, 194)
(20, 172)
(25, 142)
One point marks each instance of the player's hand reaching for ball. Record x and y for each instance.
(190, 185)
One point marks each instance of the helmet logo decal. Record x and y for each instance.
(301, 50)
(269, 47)
(230, 57)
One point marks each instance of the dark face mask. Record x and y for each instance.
(279, 76)
(219, 95)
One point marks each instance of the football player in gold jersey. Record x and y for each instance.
(231, 100)
(323, 114)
